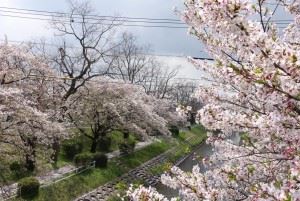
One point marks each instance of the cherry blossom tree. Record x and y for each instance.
(28, 106)
(106, 105)
(256, 94)
(167, 110)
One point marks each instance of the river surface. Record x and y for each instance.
(203, 150)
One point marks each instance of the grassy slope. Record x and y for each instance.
(195, 136)
(77, 185)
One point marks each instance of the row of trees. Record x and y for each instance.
(91, 47)
(45, 92)
(257, 70)
(38, 107)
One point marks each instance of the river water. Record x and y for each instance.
(203, 150)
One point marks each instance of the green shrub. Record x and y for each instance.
(18, 169)
(100, 160)
(15, 166)
(83, 159)
(127, 147)
(28, 188)
(71, 148)
(104, 144)
(174, 130)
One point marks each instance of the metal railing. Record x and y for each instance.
(14, 192)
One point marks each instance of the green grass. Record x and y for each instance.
(147, 153)
(77, 185)
(116, 136)
(89, 180)
(195, 136)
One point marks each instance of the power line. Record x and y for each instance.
(119, 24)
(108, 24)
(98, 16)
(121, 21)
(58, 46)
(52, 78)
(102, 19)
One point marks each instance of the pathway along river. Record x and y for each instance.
(203, 150)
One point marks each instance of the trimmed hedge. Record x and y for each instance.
(83, 159)
(15, 166)
(18, 169)
(71, 148)
(100, 160)
(28, 187)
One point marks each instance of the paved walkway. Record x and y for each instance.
(10, 190)
(138, 146)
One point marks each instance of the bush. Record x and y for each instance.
(71, 148)
(104, 144)
(174, 130)
(100, 160)
(17, 169)
(28, 187)
(127, 147)
(83, 159)
(15, 166)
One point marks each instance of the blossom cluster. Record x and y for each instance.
(256, 93)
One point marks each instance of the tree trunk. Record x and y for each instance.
(56, 149)
(94, 146)
(31, 155)
(125, 134)
(30, 162)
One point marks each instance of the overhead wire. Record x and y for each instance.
(98, 23)
(99, 16)
(112, 24)
(120, 20)
(118, 81)
(89, 18)
(59, 46)
(116, 74)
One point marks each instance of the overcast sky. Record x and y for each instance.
(162, 40)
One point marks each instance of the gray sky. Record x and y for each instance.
(162, 40)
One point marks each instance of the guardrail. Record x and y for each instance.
(14, 192)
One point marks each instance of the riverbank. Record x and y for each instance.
(186, 143)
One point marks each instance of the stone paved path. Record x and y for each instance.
(103, 192)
